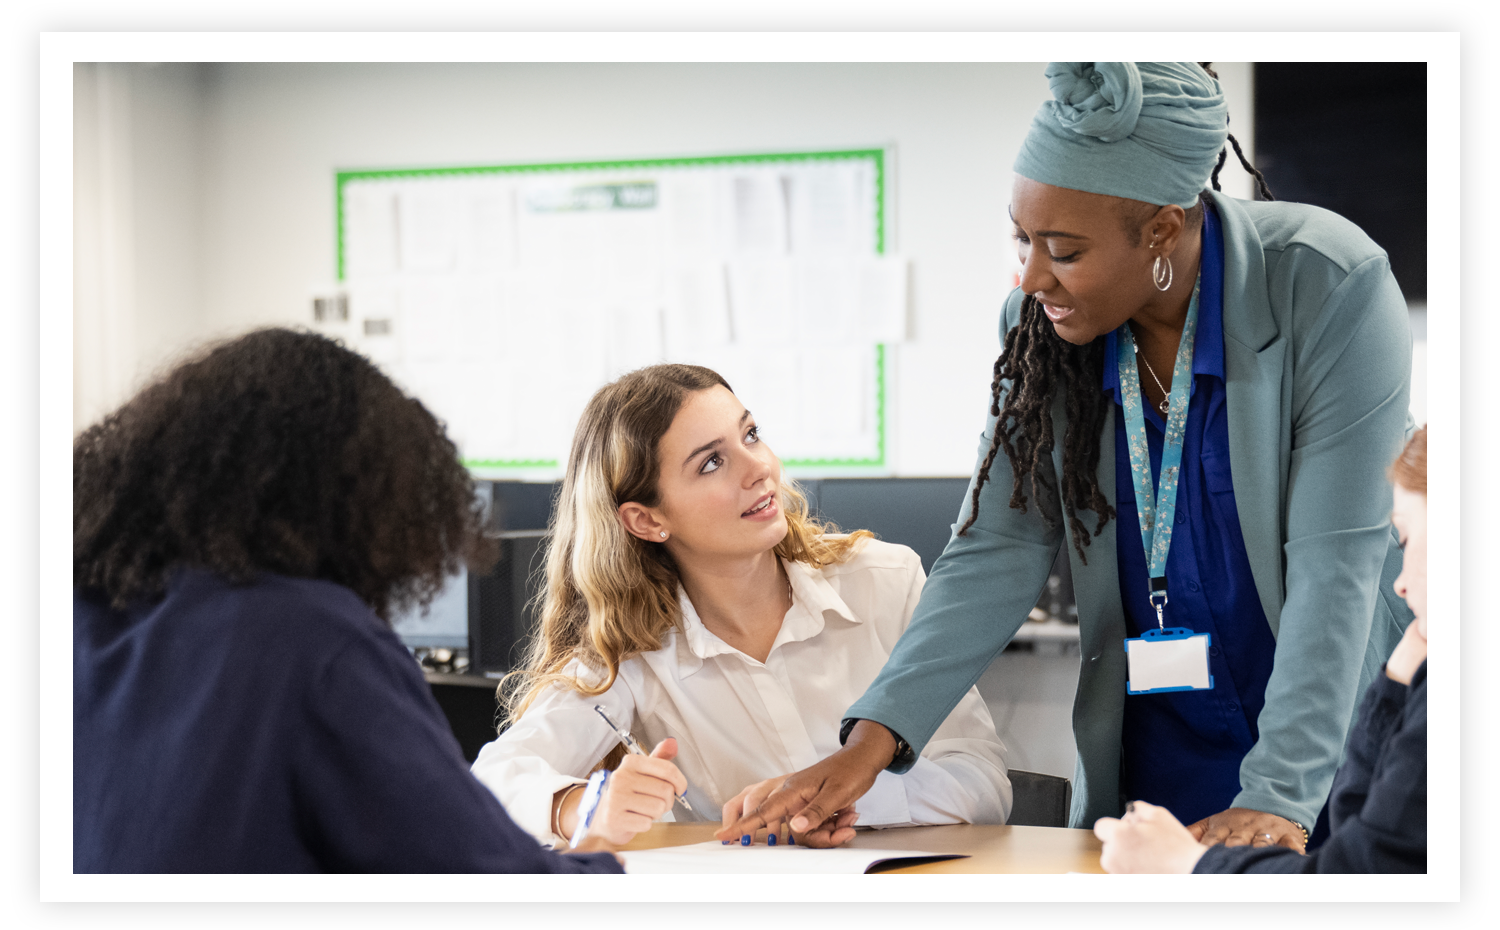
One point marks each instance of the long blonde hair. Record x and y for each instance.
(610, 596)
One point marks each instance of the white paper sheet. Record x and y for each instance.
(823, 207)
(491, 245)
(696, 309)
(760, 216)
(714, 858)
(692, 205)
(634, 340)
(428, 219)
(369, 230)
(825, 292)
(760, 300)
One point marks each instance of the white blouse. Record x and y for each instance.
(738, 721)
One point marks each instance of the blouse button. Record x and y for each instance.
(1213, 650)
(1181, 517)
(1192, 585)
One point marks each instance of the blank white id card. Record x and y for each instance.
(1174, 659)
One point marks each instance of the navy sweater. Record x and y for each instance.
(1378, 808)
(277, 726)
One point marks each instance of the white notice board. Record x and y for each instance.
(504, 296)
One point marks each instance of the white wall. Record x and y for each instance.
(232, 197)
(138, 251)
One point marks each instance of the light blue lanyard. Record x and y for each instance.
(1157, 510)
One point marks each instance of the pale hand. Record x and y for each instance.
(1408, 656)
(1147, 839)
(640, 790)
(819, 801)
(1241, 826)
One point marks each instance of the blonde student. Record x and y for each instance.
(690, 595)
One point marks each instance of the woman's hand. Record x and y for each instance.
(1147, 839)
(1241, 826)
(749, 799)
(1408, 656)
(829, 833)
(819, 801)
(639, 791)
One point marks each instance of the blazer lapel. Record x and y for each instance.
(1257, 397)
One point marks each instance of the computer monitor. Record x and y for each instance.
(445, 622)
(502, 603)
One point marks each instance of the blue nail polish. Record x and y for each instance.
(726, 842)
(791, 840)
(771, 839)
(745, 840)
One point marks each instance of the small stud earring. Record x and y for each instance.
(663, 534)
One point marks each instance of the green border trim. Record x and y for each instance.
(510, 463)
(877, 156)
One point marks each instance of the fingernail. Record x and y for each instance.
(771, 839)
(791, 840)
(745, 840)
(726, 842)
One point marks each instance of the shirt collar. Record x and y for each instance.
(813, 598)
(1208, 343)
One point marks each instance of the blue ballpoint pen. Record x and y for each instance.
(635, 748)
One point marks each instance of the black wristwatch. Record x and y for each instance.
(904, 758)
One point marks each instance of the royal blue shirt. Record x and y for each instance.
(275, 726)
(1182, 750)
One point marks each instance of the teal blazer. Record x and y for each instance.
(1317, 359)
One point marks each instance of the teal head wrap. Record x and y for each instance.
(1148, 130)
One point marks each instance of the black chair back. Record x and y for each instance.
(1039, 800)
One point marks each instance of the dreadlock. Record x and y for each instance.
(1261, 187)
(1034, 360)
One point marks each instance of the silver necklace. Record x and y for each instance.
(1164, 406)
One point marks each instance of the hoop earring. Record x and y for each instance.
(1157, 276)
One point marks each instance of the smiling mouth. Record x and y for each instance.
(760, 507)
(1056, 313)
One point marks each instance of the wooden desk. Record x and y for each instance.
(990, 849)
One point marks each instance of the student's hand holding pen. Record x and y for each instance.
(819, 801)
(640, 790)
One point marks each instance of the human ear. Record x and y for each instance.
(641, 522)
(1165, 229)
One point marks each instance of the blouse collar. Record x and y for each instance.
(813, 598)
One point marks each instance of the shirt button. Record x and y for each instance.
(1181, 517)
(1192, 585)
(1213, 650)
(1233, 706)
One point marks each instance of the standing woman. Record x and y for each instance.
(1274, 365)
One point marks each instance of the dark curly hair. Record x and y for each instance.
(279, 451)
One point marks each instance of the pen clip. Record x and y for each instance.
(624, 735)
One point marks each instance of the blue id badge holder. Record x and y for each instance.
(1171, 659)
(1168, 658)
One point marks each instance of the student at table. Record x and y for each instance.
(243, 530)
(690, 595)
(1264, 349)
(1379, 801)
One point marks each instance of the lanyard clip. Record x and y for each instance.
(1158, 590)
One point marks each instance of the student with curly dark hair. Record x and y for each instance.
(243, 531)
